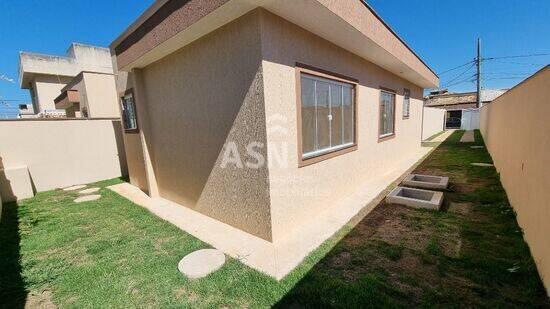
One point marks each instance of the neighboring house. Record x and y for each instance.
(282, 119)
(462, 106)
(90, 95)
(26, 111)
(85, 69)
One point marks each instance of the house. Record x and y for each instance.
(462, 109)
(90, 95)
(26, 111)
(80, 84)
(277, 119)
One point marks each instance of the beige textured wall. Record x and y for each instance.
(517, 133)
(134, 159)
(199, 99)
(101, 93)
(434, 121)
(301, 194)
(15, 183)
(60, 153)
(132, 141)
(48, 88)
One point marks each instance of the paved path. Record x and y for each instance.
(442, 137)
(468, 137)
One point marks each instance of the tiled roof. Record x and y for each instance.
(462, 98)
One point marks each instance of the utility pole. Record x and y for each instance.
(478, 64)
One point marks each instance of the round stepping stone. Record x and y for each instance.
(89, 191)
(72, 188)
(87, 198)
(201, 263)
(482, 164)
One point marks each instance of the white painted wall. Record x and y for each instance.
(433, 121)
(470, 119)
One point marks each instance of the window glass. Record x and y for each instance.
(327, 115)
(406, 102)
(348, 97)
(337, 115)
(308, 115)
(323, 115)
(129, 112)
(387, 118)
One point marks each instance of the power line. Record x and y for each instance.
(495, 78)
(520, 63)
(517, 56)
(458, 67)
(506, 73)
(470, 78)
(459, 75)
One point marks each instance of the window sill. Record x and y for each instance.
(386, 137)
(131, 131)
(309, 161)
(406, 117)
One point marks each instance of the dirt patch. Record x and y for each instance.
(463, 187)
(183, 293)
(460, 208)
(40, 300)
(405, 245)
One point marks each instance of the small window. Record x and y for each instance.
(327, 114)
(129, 112)
(387, 114)
(406, 103)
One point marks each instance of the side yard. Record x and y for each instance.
(110, 252)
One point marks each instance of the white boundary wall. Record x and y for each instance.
(433, 121)
(470, 119)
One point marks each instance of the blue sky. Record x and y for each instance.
(443, 33)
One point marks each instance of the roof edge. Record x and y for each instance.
(370, 8)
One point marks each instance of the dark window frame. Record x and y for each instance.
(385, 137)
(123, 110)
(407, 98)
(320, 73)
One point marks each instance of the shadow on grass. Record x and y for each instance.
(402, 257)
(12, 287)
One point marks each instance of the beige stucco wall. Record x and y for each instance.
(517, 133)
(299, 195)
(434, 121)
(199, 99)
(132, 141)
(15, 183)
(60, 153)
(101, 95)
(47, 88)
(97, 94)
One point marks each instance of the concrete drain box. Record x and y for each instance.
(426, 182)
(416, 198)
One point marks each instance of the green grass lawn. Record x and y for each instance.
(112, 253)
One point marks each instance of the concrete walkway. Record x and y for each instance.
(468, 137)
(443, 136)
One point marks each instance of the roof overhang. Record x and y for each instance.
(33, 64)
(169, 25)
(66, 99)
